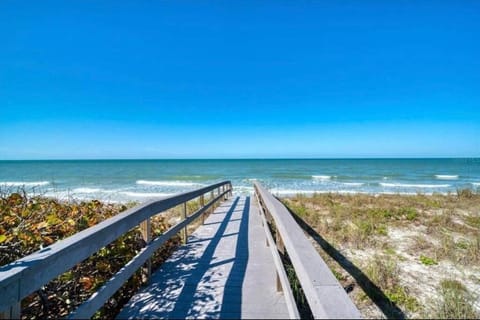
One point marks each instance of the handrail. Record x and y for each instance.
(26, 275)
(282, 278)
(325, 296)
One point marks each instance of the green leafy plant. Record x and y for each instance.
(28, 224)
(427, 260)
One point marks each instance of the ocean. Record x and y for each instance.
(141, 180)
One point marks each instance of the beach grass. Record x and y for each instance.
(456, 302)
(402, 245)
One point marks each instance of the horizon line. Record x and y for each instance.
(245, 158)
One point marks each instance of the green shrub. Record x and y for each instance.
(384, 272)
(427, 260)
(462, 244)
(473, 221)
(409, 213)
(29, 224)
(382, 230)
(399, 295)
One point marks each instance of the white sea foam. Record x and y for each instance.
(69, 196)
(243, 188)
(341, 191)
(24, 183)
(353, 184)
(291, 191)
(145, 194)
(403, 193)
(167, 183)
(446, 177)
(476, 184)
(322, 177)
(310, 192)
(58, 194)
(406, 185)
(87, 190)
(240, 190)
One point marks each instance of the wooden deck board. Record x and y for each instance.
(224, 271)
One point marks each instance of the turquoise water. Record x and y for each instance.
(140, 180)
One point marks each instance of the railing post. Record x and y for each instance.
(212, 196)
(13, 312)
(202, 204)
(261, 211)
(281, 249)
(146, 231)
(184, 216)
(280, 245)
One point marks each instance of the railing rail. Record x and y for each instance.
(324, 294)
(26, 275)
(283, 284)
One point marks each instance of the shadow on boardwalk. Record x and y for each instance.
(233, 288)
(204, 277)
(387, 306)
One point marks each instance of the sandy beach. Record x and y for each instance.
(402, 256)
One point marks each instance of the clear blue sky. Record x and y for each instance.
(228, 79)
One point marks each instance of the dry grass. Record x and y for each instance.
(405, 244)
(384, 272)
(456, 302)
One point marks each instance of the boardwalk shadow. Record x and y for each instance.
(387, 306)
(232, 306)
(203, 278)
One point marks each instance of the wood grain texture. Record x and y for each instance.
(224, 271)
(24, 276)
(325, 296)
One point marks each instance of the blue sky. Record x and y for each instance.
(236, 79)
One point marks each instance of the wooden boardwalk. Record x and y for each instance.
(224, 271)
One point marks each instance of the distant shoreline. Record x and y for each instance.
(142, 180)
(246, 159)
(309, 196)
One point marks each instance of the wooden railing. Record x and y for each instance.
(324, 294)
(24, 276)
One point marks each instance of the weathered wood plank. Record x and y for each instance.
(281, 274)
(12, 312)
(224, 271)
(26, 275)
(96, 301)
(146, 231)
(324, 294)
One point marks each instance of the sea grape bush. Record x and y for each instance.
(28, 224)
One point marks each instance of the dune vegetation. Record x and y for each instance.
(404, 256)
(28, 224)
(399, 256)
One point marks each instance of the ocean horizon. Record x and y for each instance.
(123, 180)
